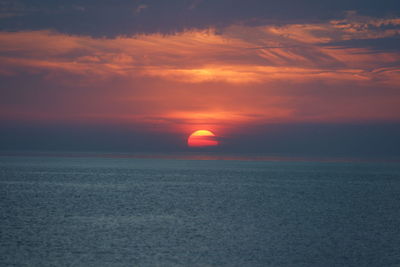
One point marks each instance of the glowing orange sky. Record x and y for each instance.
(203, 79)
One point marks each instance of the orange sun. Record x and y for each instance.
(202, 138)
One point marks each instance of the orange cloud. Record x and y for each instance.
(237, 75)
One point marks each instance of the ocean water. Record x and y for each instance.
(104, 211)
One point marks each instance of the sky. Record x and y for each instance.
(305, 77)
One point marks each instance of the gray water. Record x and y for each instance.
(57, 211)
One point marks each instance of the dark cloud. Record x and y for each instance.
(123, 17)
(85, 137)
(378, 44)
(317, 139)
(376, 140)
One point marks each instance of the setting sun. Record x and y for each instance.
(202, 138)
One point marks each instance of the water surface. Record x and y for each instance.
(105, 211)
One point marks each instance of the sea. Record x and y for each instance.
(197, 210)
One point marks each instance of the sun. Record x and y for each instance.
(202, 138)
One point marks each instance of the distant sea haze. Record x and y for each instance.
(202, 155)
(87, 209)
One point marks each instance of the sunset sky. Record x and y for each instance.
(271, 76)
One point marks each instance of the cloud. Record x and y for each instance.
(217, 78)
(104, 18)
(140, 8)
(238, 54)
